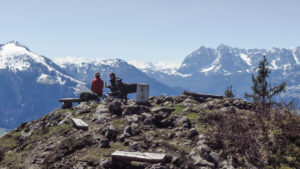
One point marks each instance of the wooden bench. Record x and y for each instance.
(129, 88)
(68, 102)
(138, 156)
(202, 96)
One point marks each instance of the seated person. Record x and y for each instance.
(97, 85)
(114, 90)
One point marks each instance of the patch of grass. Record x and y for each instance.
(184, 148)
(12, 159)
(63, 128)
(39, 134)
(178, 109)
(118, 123)
(203, 128)
(64, 111)
(10, 140)
(285, 167)
(98, 153)
(161, 133)
(192, 115)
(203, 111)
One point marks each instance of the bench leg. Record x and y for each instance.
(67, 105)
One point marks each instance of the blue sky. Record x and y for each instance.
(152, 30)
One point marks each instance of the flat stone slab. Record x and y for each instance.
(164, 109)
(138, 156)
(202, 95)
(78, 123)
(70, 100)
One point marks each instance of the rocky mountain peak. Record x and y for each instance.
(191, 132)
(159, 126)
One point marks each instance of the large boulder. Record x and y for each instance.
(115, 108)
(102, 118)
(101, 109)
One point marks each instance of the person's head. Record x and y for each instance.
(112, 75)
(97, 75)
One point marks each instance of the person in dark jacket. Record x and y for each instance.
(113, 86)
(97, 85)
(117, 87)
(114, 90)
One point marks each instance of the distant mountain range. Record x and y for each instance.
(209, 70)
(31, 84)
(85, 70)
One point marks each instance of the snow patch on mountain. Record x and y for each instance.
(246, 59)
(295, 57)
(169, 68)
(47, 79)
(15, 56)
(82, 61)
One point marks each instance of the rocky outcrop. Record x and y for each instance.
(171, 125)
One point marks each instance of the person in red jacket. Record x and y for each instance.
(97, 85)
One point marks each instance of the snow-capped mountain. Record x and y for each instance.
(227, 59)
(211, 70)
(30, 85)
(84, 70)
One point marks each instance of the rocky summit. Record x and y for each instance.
(191, 132)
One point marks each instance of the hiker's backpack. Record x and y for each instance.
(119, 83)
(87, 96)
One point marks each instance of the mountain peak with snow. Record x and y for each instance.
(225, 58)
(15, 58)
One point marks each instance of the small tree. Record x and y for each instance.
(262, 92)
(229, 92)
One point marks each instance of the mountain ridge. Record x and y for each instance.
(31, 84)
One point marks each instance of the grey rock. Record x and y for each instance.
(79, 124)
(202, 150)
(201, 139)
(250, 166)
(184, 121)
(162, 109)
(102, 118)
(67, 118)
(156, 166)
(106, 164)
(80, 165)
(127, 130)
(177, 161)
(25, 135)
(82, 108)
(131, 109)
(82, 105)
(192, 133)
(149, 137)
(101, 109)
(214, 157)
(115, 108)
(132, 119)
(135, 146)
(199, 161)
(104, 143)
(167, 123)
(147, 118)
(111, 133)
(227, 103)
(225, 165)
